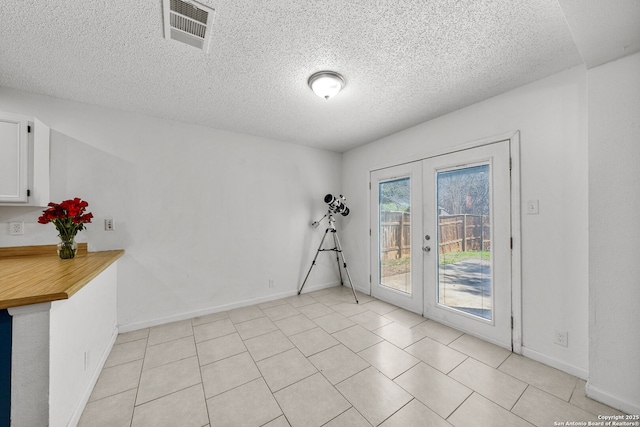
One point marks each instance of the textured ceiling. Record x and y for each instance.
(405, 62)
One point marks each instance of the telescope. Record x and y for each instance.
(336, 204)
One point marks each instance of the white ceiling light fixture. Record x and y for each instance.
(326, 84)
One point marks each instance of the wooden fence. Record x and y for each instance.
(458, 233)
(395, 235)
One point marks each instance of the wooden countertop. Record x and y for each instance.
(35, 274)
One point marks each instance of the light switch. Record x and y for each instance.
(532, 207)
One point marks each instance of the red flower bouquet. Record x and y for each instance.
(69, 217)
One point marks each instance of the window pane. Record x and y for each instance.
(464, 240)
(395, 234)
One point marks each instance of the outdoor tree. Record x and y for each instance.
(464, 191)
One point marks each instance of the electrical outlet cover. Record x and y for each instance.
(16, 228)
(561, 338)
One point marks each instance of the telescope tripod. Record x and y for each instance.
(337, 248)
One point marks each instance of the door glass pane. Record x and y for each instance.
(464, 240)
(394, 247)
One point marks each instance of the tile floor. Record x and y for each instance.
(321, 360)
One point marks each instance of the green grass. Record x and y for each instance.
(445, 259)
(453, 257)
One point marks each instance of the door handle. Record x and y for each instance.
(426, 248)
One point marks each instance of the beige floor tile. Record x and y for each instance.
(338, 363)
(404, 317)
(580, 399)
(250, 404)
(132, 336)
(184, 408)
(219, 348)
(370, 320)
(348, 309)
(112, 411)
(117, 379)
(415, 413)
(311, 402)
(208, 318)
(268, 345)
(281, 421)
(313, 341)
(329, 299)
(324, 291)
(281, 312)
(167, 379)
(333, 322)
(315, 310)
(478, 411)
(434, 389)
(308, 336)
(363, 298)
(228, 373)
(350, 418)
(483, 351)
(357, 338)
(170, 332)
(543, 409)
(398, 335)
(244, 314)
(436, 354)
(437, 331)
(379, 307)
(255, 327)
(300, 300)
(161, 354)
(553, 381)
(295, 325)
(389, 359)
(211, 330)
(491, 383)
(374, 395)
(126, 352)
(270, 304)
(286, 368)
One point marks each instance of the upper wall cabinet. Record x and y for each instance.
(24, 161)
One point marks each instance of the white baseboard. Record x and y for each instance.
(128, 327)
(555, 363)
(77, 413)
(607, 398)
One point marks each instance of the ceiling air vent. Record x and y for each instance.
(188, 22)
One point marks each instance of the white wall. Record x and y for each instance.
(206, 217)
(551, 117)
(85, 323)
(614, 233)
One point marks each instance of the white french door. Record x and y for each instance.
(467, 214)
(396, 197)
(440, 239)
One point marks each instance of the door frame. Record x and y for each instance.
(516, 226)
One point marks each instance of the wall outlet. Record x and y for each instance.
(16, 228)
(109, 225)
(272, 283)
(533, 207)
(561, 338)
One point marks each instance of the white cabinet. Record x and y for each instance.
(24, 161)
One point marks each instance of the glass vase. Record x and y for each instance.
(67, 248)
